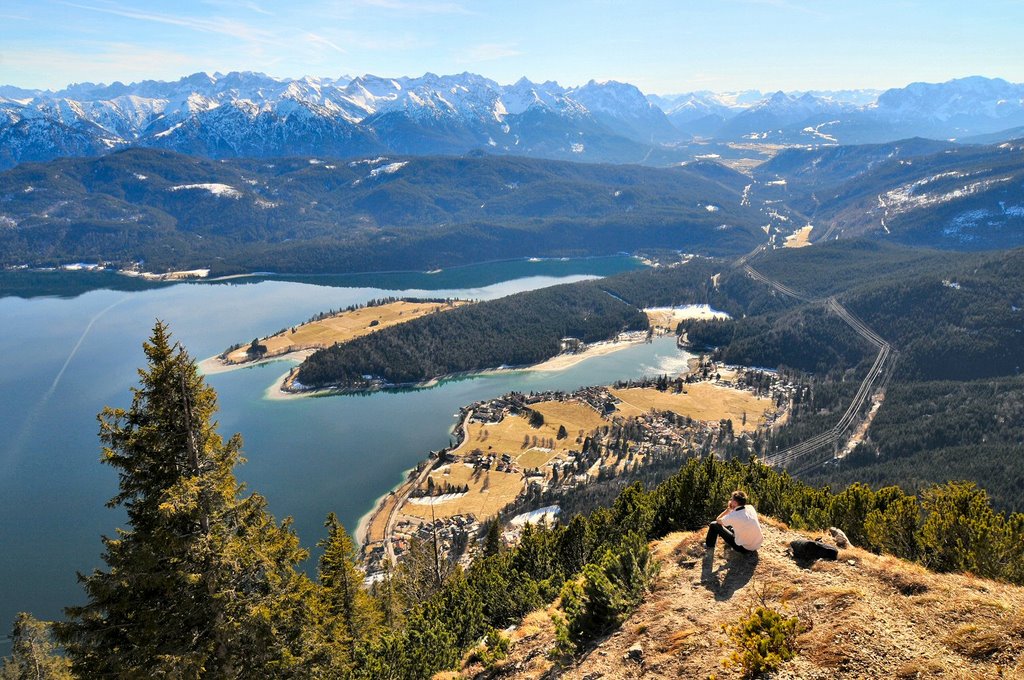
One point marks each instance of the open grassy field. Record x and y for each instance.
(344, 327)
(799, 238)
(509, 435)
(379, 522)
(667, 318)
(489, 492)
(701, 401)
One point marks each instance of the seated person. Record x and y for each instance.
(737, 525)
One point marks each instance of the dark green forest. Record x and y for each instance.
(514, 331)
(302, 215)
(956, 321)
(525, 328)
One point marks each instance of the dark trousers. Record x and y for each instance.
(716, 530)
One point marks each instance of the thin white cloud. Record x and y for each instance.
(239, 4)
(218, 25)
(125, 62)
(319, 40)
(407, 7)
(489, 52)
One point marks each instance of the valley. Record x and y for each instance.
(427, 341)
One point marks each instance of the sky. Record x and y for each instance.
(661, 46)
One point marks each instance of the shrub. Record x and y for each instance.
(764, 641)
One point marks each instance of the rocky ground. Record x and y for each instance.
(862, 616)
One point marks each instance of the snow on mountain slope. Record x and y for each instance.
(204, 113)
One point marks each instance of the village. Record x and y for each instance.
(526, 444)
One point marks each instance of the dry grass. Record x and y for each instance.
(975, 642)
(800, 238)
(379, 522)
(344, 327)
(508, 435)
(701, 401)
(853, 623)
(489, 492)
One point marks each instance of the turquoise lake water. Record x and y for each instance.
(63, 358)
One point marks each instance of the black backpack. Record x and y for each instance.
(813, 550)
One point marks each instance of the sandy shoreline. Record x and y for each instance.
(597, 349)
(214, 365)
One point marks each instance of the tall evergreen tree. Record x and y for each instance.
(203, 582)
(352, 613)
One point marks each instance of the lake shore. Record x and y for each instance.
(278, 390)
(214, 365)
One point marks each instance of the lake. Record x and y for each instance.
(63, 358)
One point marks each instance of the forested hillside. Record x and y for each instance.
(527, 328)
(170, 211)
(957, 324)
(916, 192)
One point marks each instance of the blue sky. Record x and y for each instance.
(662, 46)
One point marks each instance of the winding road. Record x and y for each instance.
(876, 379)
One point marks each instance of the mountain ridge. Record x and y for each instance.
(864, 615)
(599, 121)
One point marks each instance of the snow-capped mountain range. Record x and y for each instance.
(251, 114)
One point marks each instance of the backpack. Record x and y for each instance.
(813, 550)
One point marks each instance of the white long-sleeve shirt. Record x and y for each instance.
(745, 526)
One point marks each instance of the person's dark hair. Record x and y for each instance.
(739, 497)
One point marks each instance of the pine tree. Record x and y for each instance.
(33, 656)
(203, 582)
(351, 612)
(492, 539)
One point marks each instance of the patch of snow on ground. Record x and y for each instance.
(951, 284)
(970, 218)
(776, 183)
(213, 187)
(315, 161)
(140, 177)
(368, 161)
(389, 169)
(578, 148)
(711, 208)
(168, 130)
(436, 500)
(905, 198)
(80, 266)
(547, 513)
(683, 312)
(6, 221)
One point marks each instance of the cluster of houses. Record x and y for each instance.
(648, 437)
(491, 461)
(452, 533)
